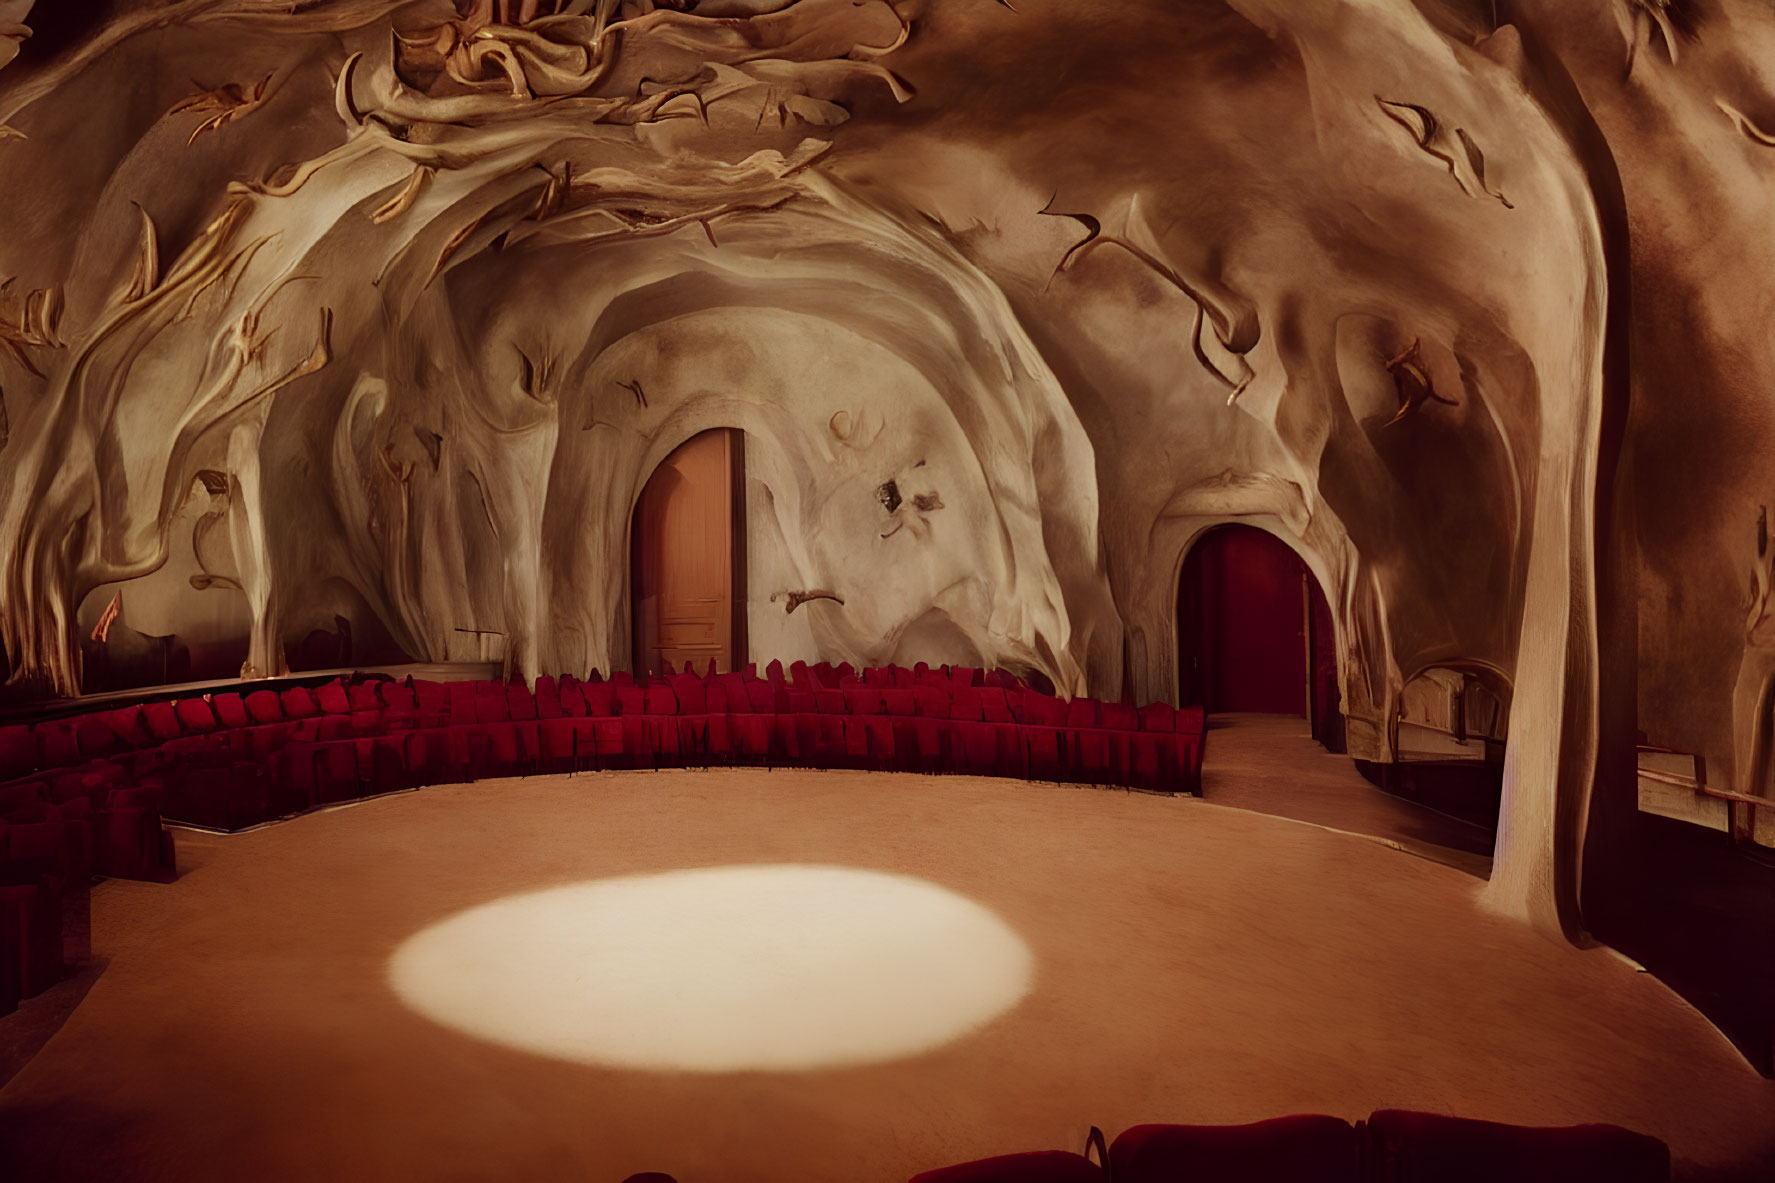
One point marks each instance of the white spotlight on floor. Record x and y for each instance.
(720, 969)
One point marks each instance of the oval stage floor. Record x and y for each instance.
(1186, 962)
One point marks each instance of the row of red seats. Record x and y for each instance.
(1392, 1146)
(232, 760)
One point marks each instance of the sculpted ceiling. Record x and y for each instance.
(403, 302)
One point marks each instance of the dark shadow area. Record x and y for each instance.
(1464, 789)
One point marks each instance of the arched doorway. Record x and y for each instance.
(687, 558)
(1255, 633)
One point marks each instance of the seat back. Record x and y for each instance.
(1306, 1148)
(1409, 1147)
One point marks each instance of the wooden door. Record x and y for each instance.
(687, 558)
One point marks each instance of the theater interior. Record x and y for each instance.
(970, 591)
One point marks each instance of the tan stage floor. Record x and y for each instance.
(1192, 963)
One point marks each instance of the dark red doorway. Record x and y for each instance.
(1255, 632)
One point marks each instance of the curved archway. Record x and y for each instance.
(1255, 631)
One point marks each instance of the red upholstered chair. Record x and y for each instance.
(57, 743)
(658, 699)
(630, 699)
(1158, 716)
(520, 702)
(878, 676)
(428, 758)
(1034, 707)
(493, 702)
(388, 763)
(600, 698)
(461, 697)
(231, 710)
(1308, 1148)
(1043, 746)
(863, 700)
(1081, 712)
(766, 698)
(1118, 716)
(265, 706)
(558, 738)
(128, 725)
(194, 714)
(691, 692)
(331, 698)
(1192, 720)
(363, 694)
(899, 702)
(162, 721)
(136, 847)
(931, 701)
(548, 698)
(299, 703)
(1087, 756)
(961, 676)
(31, 931)
(1154, 762)
(994, 706)
(18, 752)
(1409, 1147)
(573, 699)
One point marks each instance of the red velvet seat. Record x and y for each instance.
(1044, 752)
(520, 703)
(58, 746)
(1158, 716)
(1081, 713)
(1307, 1148)
(196, 716)
(332, 698)
(428, 758)
(136, 846)
(162, 721)
(932, 701)
(548, 698)
(995, 707)
(363, 695)
(692, 694)
(231, 710)
(600, 698)
(559, 739)
(1412, 1147)
(265, 706)
(1036, 1166)
(31, 931)
(899, 702)
(863, 700)
(18, 752)
(573, 699)
(631, 699)
(1154, 762)
(1118, 716)
(299, 703)
(659, 699)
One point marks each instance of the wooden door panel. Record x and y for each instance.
(684, 557)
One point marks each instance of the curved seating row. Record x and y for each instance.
(1392, 1146)
(232, 760)
(85, 794)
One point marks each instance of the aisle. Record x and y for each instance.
(1269, 764)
